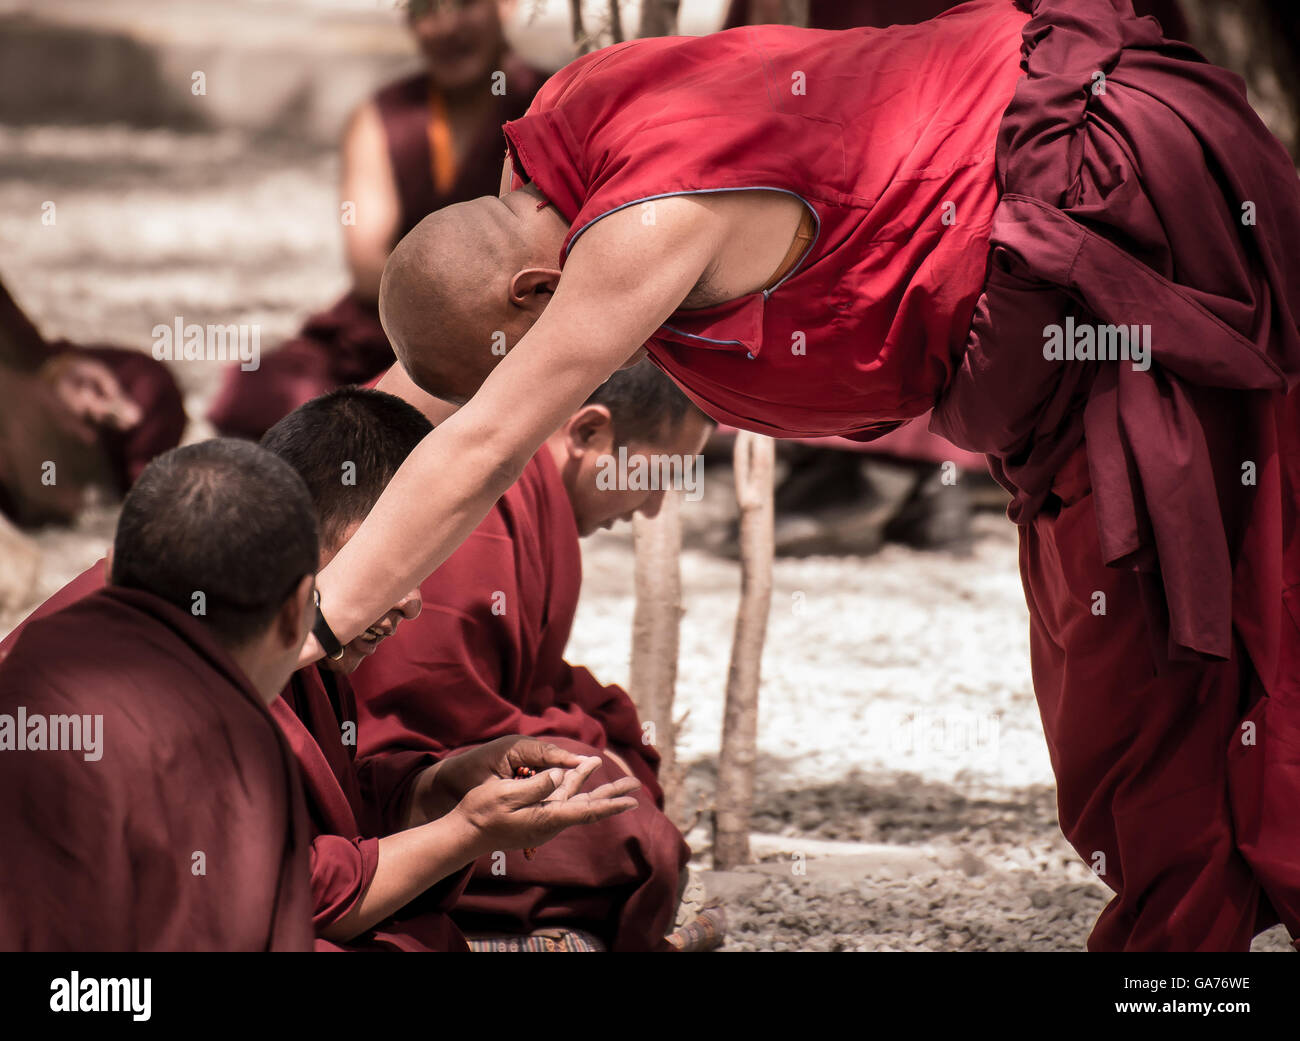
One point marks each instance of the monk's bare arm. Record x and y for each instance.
(623, 279)
(409, 863)
(369, 192)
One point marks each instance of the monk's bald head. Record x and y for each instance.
(464, 286)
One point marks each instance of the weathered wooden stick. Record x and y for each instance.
(754, 458)
(581, 41)
(656, 628)
(658, 18)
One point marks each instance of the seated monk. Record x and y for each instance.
(435, 817)
(385, 832)
(149, 800)
(419, 144)
(73, 418)
(485, 658)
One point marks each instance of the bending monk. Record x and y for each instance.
(485, 658)
(147, 799)
(979, 189)
(419, 144)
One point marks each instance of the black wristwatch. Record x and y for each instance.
(325, 635)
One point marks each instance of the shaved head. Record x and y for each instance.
(464, 286)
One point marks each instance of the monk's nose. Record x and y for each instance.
(410, 605)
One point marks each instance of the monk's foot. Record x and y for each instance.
(706, 932)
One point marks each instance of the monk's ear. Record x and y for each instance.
(590, 429)
(108, 566)
(297, 613)
(531, 288)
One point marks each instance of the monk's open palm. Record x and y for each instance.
(512, 813)
(502, 758)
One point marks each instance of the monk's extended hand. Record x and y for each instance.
(514, 814)
(500, 758)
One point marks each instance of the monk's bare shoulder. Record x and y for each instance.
(744, 235)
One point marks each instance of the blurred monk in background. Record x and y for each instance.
(419, 144)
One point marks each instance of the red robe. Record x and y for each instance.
(349, 801)
(1153, 197)
(189, 833)
(485, 658)
(346, 344)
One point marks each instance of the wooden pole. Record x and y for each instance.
(754, 460)
(656, 631)
(581, 41)
(658, 18)
(615, 22)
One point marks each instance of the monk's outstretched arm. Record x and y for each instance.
(621, 282)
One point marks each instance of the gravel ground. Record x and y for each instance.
(904, 798)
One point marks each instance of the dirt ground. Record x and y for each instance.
(904, 798)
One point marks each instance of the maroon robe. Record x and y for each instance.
(104, 855)
(346, 344)
(485, 658)
(350, 801)
(913, 440)
(142, 378)
(1171, 708)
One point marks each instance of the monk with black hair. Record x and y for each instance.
(485, 658)
(175, 819)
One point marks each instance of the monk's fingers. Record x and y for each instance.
(560, 815)
(539, 755)
(574, 779)
(530, 790)
(623, 786)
